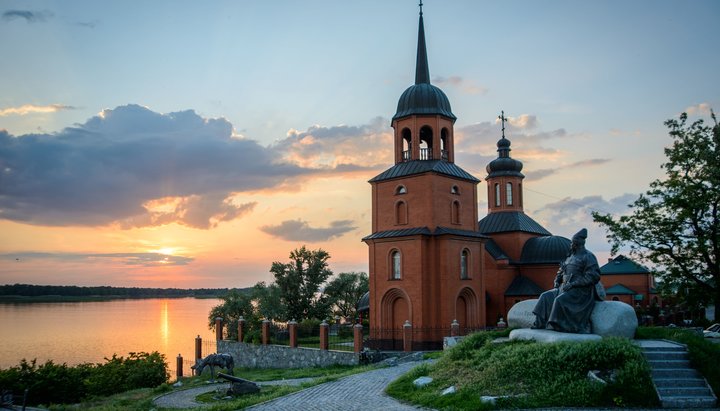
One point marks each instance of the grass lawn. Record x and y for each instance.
(142, 399)
(531, 375)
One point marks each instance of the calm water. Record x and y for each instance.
(82, 332)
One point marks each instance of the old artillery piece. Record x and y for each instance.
(240, 386)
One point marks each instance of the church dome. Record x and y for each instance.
(504, 165)
(423, 98)
(550, 249)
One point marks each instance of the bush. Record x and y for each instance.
(309, 327)
(533, 375)
(50, 383)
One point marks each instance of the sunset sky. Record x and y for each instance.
(191, 144)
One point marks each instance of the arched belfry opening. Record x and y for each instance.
(406, 144)
(444, 144)
(426, 143)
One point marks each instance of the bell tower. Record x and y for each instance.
(504, 179)
(425, 250)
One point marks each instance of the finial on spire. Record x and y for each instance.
(422, 73)
(503, 119)
(420, 7)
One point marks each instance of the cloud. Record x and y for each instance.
(535, 175)
(33, 109)
(133, 259)
(29, 16)
(135, 167)
(464, 85)
(88, 24)
(367, 146)
(523, 121)
(299, 230)
(568, 215)
(698, 109)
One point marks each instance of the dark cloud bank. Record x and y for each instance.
(105, 170)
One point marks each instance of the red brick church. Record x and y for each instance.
(431, 261)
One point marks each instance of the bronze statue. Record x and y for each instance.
(214, 360)
(568, 306)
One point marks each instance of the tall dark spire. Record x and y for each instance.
(422, 73)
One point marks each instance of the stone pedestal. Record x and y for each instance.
(549, 336)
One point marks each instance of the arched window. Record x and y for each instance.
(426, 143)
(444, 144)
(616, 299)
(508, 193)
(396, 260)
(454, 190)
(464, 257)
(400, 189)
(407, 144)
(455, 216)
(401, 215)
(497, 195)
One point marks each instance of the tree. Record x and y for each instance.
(266, 299)
(299, 282)
(234, 305)
(674, 225)
(344, 292)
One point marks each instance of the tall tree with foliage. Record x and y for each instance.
(266, 299)
(344, 292)
(234, 305)
(674, 225)
(299, 282)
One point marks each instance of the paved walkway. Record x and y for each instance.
(362, 391)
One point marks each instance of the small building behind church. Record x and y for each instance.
(629, 282)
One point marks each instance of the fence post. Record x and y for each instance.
(292, 330)
(218, 329)
(407, 336)
(265, 332)
(198, 348)
(324, 343)
(454, 328)
(358, 337)
(241, 328)
(179, 367)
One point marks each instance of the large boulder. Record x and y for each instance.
(609, 318)
(550, 336)
(614, 318)
(521, 314)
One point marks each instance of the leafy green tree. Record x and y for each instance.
(267, 301)
(234, 305)
(344, 292)
(674, 225)
(299, 283)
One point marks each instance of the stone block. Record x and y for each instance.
(521, 314)
(549, 336)
(614, 319)
(422, 381)
(609, 318)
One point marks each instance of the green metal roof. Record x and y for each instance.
(619, 289)
(622, 265)
(423, 231)
(545, 250)
(495, 251)
(508, 221)
(522, 286)
(409, 168)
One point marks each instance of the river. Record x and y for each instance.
(80, 332)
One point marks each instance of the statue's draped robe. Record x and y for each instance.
(569, 310)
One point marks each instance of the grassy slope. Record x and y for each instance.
(537, 375)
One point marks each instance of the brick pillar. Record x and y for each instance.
(454, 328)
(358, 337)
(292, 330)
(179, 367)
(218, 329)
(265, 332)
(407, 336)
(324, 343)
(198, 348)
(241, 329)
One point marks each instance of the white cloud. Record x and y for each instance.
(33, 109)
(465, 86)
(299, 230)
(698, 109)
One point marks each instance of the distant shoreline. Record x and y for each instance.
(24, 299)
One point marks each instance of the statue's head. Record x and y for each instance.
(578, 240)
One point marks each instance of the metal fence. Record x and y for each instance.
(340, 337)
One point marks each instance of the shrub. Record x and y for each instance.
(50, 383)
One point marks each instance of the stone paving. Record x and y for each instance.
(356, 392)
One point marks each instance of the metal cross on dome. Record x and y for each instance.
(503, 119)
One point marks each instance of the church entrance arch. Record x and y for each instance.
(467, 309)
(395, 309)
